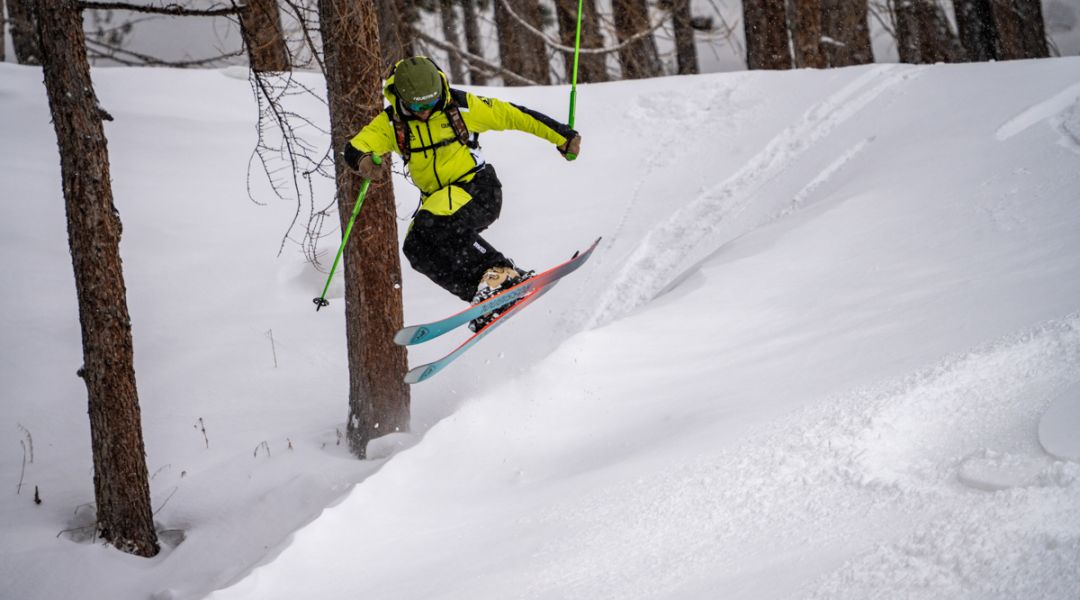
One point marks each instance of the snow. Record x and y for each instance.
(820, 353)
(1059, 425)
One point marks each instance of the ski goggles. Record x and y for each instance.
(417, 107)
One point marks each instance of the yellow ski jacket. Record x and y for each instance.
(436, 158)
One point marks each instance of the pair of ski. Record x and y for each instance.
(524, 293)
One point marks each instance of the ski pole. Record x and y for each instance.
(573, 84)
(321, 301)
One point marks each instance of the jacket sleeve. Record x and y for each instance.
(377, 137)
(487, 114)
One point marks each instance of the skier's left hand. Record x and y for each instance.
(571, 148)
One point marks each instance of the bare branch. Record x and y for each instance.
(474, 59)
(666, 14)
(170, 9)
(101, 49)
(298, 12)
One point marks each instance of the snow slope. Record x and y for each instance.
(810, 358)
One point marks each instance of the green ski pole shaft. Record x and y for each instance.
(321, 301)
(577, 52)
(573, 82)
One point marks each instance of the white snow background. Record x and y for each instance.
(809, 359)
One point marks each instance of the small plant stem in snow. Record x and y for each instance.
(273, 348)
(202, 427)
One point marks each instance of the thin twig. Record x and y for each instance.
(22, 473)
(202, 427)
(175, 489)
(273, 347)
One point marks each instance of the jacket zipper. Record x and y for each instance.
(434, 153)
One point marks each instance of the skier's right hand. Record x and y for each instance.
(572, 147)
(370, 170)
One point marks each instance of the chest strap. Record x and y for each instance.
(457, 123)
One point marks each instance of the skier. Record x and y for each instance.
(435, 129)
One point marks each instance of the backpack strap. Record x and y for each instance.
(401, 132)
(457, 123)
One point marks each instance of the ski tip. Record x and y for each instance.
(421, 373)
(411, 335)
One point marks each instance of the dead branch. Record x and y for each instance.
(174, 10)
(99, 49)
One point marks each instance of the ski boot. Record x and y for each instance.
(495, 280)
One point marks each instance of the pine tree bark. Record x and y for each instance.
(591, 67)
(520, 50)
(686, 57)
(923, 33)
(24, 32)
(975, 25)
(846, 32)
(472, 40)
(765, 24)
(396, 36)
(260, 26)
(121, 482)
(640, 59)
(450, 34)
(378, 398)
(1021, 32)
(806, 33)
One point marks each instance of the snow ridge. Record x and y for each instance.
(721, 214)
(1040, 112)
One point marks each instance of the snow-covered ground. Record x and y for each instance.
(811, 357)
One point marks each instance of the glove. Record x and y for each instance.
(370, 170)
(571, 148)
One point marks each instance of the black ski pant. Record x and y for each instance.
(448, 249)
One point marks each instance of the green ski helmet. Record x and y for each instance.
(418, 83)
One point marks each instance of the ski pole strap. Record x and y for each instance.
(321, 301)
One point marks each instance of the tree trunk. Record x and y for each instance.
(1021, 32)
(378, 398)
(765, 23)
(260, 26)
(24, 32)
(591, 67)
(685, 49)
(806, 33)
(520, 50)
(923, 34)
(450, 34)
(3, 29)
(640, 59)
(396, 18)
(975, 23)
(846, 33)
(121, 482)
(472, 41)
